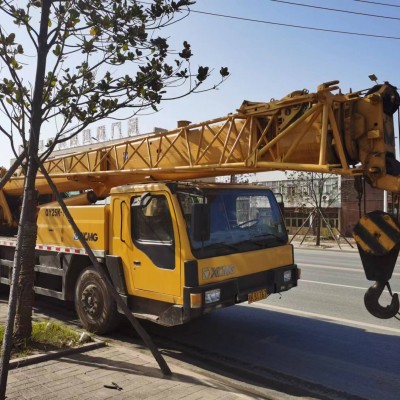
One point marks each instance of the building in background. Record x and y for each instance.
(339, 201)
(352, 208)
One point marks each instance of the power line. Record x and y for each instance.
(292, 25)
(295, 26)
(336, 10)
(378, 3)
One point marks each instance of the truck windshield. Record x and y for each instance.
(240, 220)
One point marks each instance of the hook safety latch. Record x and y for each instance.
(371, 301)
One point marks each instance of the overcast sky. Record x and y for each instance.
(270, 58)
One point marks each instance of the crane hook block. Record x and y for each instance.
(371, 301)
(377, 235)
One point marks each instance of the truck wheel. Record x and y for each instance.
(94, 304)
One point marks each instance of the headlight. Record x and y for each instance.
(287, 276)
(212, 296)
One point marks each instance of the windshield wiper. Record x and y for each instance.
(259, 243)
(221, 245)
(271, 235)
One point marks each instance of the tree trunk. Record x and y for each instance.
(318, 235)
(27, 233)
(21, 294)
(27, 228)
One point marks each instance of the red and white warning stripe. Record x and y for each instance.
(58, 249)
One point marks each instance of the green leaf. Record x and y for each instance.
(74, 13)
(14, 63)
(186, 53)
(224, 71)
(57, 50)
(10, 38)
(202, 73)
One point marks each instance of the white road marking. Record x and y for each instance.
(330, 267)
(333, 284)
(300, 264)
(323, 317)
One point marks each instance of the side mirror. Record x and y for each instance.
(279, 200)
(200, 222)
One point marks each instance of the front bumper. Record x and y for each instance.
(237, 290)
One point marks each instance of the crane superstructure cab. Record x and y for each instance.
(173, 251)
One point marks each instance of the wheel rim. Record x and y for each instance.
(92, 301)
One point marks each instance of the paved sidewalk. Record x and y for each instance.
(83, 376)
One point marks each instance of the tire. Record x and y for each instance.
(96, 308)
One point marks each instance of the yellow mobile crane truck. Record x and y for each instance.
(175, 249)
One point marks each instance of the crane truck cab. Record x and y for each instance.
(188, 248)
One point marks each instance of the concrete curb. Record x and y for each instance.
(54, 354)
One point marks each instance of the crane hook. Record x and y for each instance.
(371, 301)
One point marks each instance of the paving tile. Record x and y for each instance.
(83, 376)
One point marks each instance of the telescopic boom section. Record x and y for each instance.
(348, 134)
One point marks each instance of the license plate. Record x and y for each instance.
(257, 296)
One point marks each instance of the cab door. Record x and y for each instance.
(151, 250)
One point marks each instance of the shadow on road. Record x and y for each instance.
(276, 348)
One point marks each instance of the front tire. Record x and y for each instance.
(96, 308)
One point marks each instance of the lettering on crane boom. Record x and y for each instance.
(89, 236)
(53, 212)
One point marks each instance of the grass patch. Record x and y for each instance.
(46, 336)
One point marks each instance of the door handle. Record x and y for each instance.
(136, 262)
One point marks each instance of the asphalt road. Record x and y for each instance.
(318, 332)
(332, 287)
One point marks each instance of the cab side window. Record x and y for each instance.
(152, 231)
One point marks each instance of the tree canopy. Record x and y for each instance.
(97, 57)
